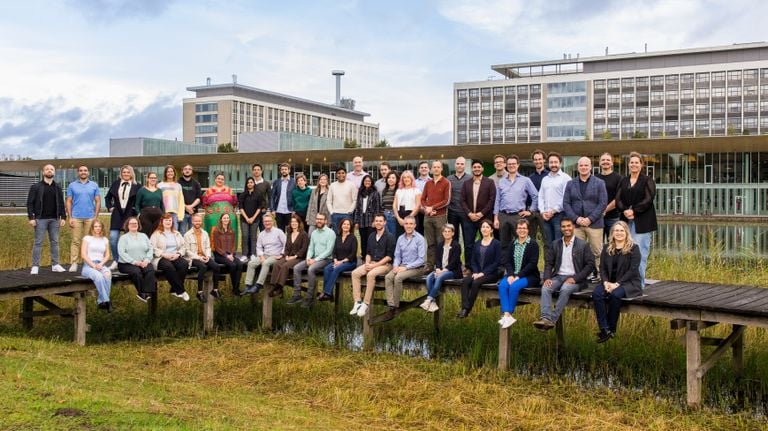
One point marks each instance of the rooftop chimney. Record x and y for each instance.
(234, 78)
(208, 81)
(338, 74)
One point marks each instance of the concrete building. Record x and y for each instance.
(121, 147)
(698, 92)
(219, 113)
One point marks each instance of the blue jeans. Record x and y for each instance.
(102, 279)
(508, 293)
(330, 274)
(185, 224)
(643, 240)
(608, 224)
(434, 282)
(558, 284)
(336, 220)
(551, 229)
(607, 307)
(50, 225)
(391, 223)
(114, 236)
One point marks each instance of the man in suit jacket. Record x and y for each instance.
(282, 196)
(120, 202)
(567, 264)
(584, 202)
(477, 197)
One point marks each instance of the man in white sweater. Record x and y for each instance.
(342, 198)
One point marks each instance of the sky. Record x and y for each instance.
(76, 73)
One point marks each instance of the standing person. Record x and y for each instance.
(368, 205)
(121, 204)
(262, 188)
(224, 241)
(344, 256)
(282, 196)
(612, 180)
(485, 267)
(46, 213)
(193, 193)
(388, 201)
(149, 204)
(447, 267)
(620, 278)
(269, 250)
(477, 198)
(434, 202)
(419, 183)
(407, 201)
(295, 251)
(83, 203)
(301, 195)
(456, 215)
(135, 259)
(538, 158)
(551, 199)
(200, 256)
(217, 201)
(318, 201)
(500, 165)
(384, 169)
(169, 251)
(250, 202)
(567, 264)
(173, 195)
(408, 262)
(357, 174)
(521, 271)
(584, 202)
(95, 253)
(378, 261)
(342, 197)
(318, 255)
(634, 199)
(510, 206)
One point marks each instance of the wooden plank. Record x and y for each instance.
(680, 292)
(721, 297)
(63, 312)
(693, 362)
(404, 306)
(80, 325)
(45, 291)
(747, 300)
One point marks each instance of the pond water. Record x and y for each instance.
(730, 240)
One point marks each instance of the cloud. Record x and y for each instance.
(419, 138)
(107, 11)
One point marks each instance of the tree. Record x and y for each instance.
(382, 144)
(607, 135)
(350, 143)
(226, 148)
(639, 135)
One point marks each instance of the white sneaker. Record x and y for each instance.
(425, 304)
(57, 268)
(507, 321)
(34, 270)
(73, 267)
(362, 310)
(253, 257)
(433, 307)
(355, 308)
(183, 295)
(113, 267)
(243, 259)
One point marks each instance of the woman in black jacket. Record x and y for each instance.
(120, 201)
(521, 272)
(620, 275)
(486, 255)
(368, 205)
(447, 267)
(250, 202)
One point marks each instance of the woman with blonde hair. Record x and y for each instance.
(620, 278)
(95, 252)
(407, 200)
(120, 201)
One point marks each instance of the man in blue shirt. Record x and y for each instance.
(511, 203)
(83, 204)
(410, 254)
(282, 196)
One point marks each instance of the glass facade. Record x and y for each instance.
(566, 111)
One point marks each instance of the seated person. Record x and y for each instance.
(321, 244)
(169, 250)
(378, 261)
(521, 271)
(486, 255)
(410, 256)
(269, 249)
(344, 259)
(447, 267)
(295, 251)
(224, 241)
(95, 252)
(135, 259)
(199, 255)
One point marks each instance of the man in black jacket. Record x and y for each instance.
(46, 213)
(567, 264)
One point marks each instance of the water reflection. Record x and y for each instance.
(736, 240)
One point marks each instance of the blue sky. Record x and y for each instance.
(78, 72)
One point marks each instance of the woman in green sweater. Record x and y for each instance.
(301, 194)
(149, 204)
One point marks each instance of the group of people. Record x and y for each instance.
(596, 227)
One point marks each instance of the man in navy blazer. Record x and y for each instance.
(282, 196)
(568, 262)
(584, 203)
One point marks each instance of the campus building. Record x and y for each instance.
(220, 113)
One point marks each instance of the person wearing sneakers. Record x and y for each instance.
(567, 264)
(410, 254)
(295, 251)
(269, 250)
(169, 250)
(447, 267)
(378, 257)
(135, 259)
(83, 203)
(45, 211)
(224, 241)
(521, 272)
(344, 258)
(95, 253)
(318, 255)
(199, 255)
(121, 204)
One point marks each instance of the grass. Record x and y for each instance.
(147, 373)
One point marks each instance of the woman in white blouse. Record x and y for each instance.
(95, 252)
(407, 200)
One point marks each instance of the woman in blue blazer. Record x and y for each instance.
(485, 267)
(521, 272)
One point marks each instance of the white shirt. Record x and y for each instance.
(97, 247)
(566, 260)
(124, 191)
(342, 197)
(552, 190)
(406, 198)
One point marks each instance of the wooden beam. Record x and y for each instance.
(266, 309)
(738, 352)
(80, 325)
(27, 306)
(692, 364)
(738, 331)
(208, 309)
(505, 349)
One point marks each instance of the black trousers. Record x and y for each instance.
(202, 268)
(234, 267)
(365, 232)
(471, 287)
(143, 278)
(282, 220)
(175, 271)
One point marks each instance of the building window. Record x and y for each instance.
(642, 112)
(641, 81)
(657, 95)
(627, 98)
(627, 113)
(672, 80)
(462, 136)
(485, 106)
(599, 84)
(656, 126)
(473, 134)
(498, 91)
(702, 78)
(206, 140)
(207, 118)
(462, 106)
(686, 78)
(734, 75)
(613, 83)
(718, 92)
(510, 132)
(628, 83)
(522, 90)
(734, 91)
(207, 129)
(734, 107)
(509, 118)
(461, 94)
(473, 106)
(718, 124)
(613, 113)
(474, 93)
(686, 94)
(535, 89)
(671, 94)
(485, 134)
(535, 103)
(750, 106)
(485, 92)
(657, 111)
(599, 114)
(718, 108)
(750, 75)
(614, 98)
(750, 122)
(498, 105)
(686, 109)
(462, 121)
(522, 103)
(750, 90)
(496, 118)
(206, 107)
(764, 105)
(522, 118)
(473, 120)
(657, 81)
(702, 93)
(718, 76)
(497, 133)
(510, 91)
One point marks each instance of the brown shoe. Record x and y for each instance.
(543, 324)
(466, 272)
(277, 291)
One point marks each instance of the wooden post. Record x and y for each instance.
(153, 303)
(336, 297)
(208, 305)
(368, 336)
(27, 306)
(254, 302)
(504, 349)
(80, 325)
(693, 362)
(266, 310)
(560, 332)
(738, 353)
